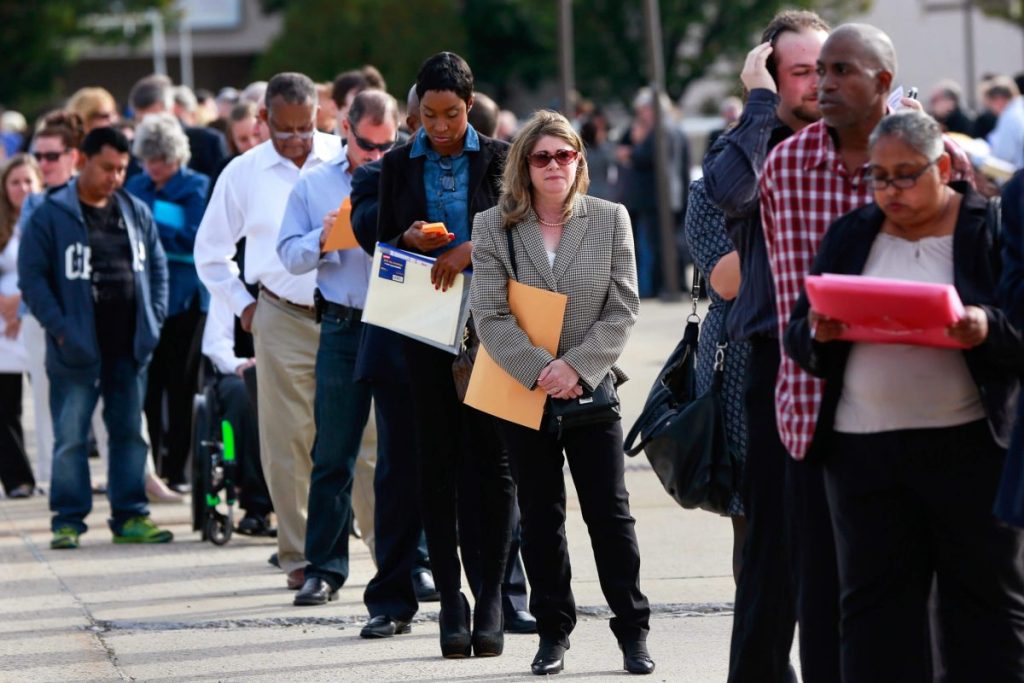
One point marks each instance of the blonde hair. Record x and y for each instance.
(516, 199)
(88, 101)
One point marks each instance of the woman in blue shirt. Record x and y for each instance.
(177, 197)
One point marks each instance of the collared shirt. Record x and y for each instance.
(1007, 139)
(249, 201)
(804, 187)
(446, 182)
(731, 169)
(342, 276)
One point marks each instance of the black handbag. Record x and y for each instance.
(593, 407)
(684, 434)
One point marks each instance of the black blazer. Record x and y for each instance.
(209, 148)
(994, 364)
(403, 200)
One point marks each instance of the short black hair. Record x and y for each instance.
(484, 115)
(292, 87)
(445, 71)
(98, 138)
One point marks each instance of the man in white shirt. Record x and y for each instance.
(249, 201)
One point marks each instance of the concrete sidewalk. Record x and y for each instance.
(190, 611)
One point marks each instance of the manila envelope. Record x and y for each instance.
(341, 235)
(539, 313)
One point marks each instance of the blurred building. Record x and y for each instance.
(226, 37)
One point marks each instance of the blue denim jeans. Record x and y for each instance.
(341, 410)
(122, 383)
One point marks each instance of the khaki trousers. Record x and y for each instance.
(363, 498)
(286, 341)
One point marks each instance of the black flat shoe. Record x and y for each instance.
(255, 525)
(635, 658)
(519, 621)
(550, 659)
(455, 639)
(423, 582)
(315, 591)
(383, 626)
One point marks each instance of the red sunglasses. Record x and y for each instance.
(563, 157)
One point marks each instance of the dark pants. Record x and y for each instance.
(14, 467)
(907, 505)
(173, 372)
(765, 611)
(341, 410)
(596, 461)
(451, 436)
(72, 402)
(238, 408)
(396, 515)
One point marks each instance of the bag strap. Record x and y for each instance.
(511, 253)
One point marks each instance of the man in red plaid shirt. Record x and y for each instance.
(813, 178)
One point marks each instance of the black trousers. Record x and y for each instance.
(907, 506)
(596, 462)
(236, 407)
(14, 467)
(765, 611)
(173, 371)
(451, 436)
(396, 515)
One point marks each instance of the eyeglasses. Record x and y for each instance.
(368, 146)
(52, 157)
(563, 157)
(288, 135)
(902, 182)
(447, 174)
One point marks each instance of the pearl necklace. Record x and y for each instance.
(550, 225)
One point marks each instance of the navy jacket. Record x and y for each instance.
(994, 364)
(53, 270)
(732, 167)
(209, 148)
(187, 192)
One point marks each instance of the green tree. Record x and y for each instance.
(40, 41)
(322, 38)
(1008, 10)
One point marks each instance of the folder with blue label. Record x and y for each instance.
(402, 298)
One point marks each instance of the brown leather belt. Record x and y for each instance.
(302, 307)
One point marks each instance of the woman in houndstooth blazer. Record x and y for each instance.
(580, 246)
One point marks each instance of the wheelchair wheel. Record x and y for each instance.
(200, 462)
(218, 528)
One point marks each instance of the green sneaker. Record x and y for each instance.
(64, 538)
(142, 530)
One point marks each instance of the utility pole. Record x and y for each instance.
(667, 233)
(566, 70)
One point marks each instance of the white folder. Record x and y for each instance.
(401, 298)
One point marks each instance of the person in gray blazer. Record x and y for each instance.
(580, 246)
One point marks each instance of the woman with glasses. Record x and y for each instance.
(582, 247)
(448, 173)
(19, 178)
(916, 436)
(177, 197)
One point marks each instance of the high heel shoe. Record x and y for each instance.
(454, 623)
(488, 632)
(157, 491)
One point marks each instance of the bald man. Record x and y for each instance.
(808, 181)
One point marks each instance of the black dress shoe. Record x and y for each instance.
(383, 626)
(550, 659)
(315, 591)
(274, 561)
(456, 642)
(255, 525)
(635, 658)
(519, 621)
(423, 582)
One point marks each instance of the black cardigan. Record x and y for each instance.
(403, 199)
(994, 365)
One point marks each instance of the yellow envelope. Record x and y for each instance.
(341, 235)
(539, 313)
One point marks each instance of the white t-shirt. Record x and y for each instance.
(889, 387)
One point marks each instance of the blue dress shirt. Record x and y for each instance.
(341, 276)
(446, 182)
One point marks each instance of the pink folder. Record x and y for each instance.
(885, 311)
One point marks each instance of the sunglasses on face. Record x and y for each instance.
(368, 146)
(562, 157)
(47, 156)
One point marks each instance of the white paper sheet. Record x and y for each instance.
(401, 298)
